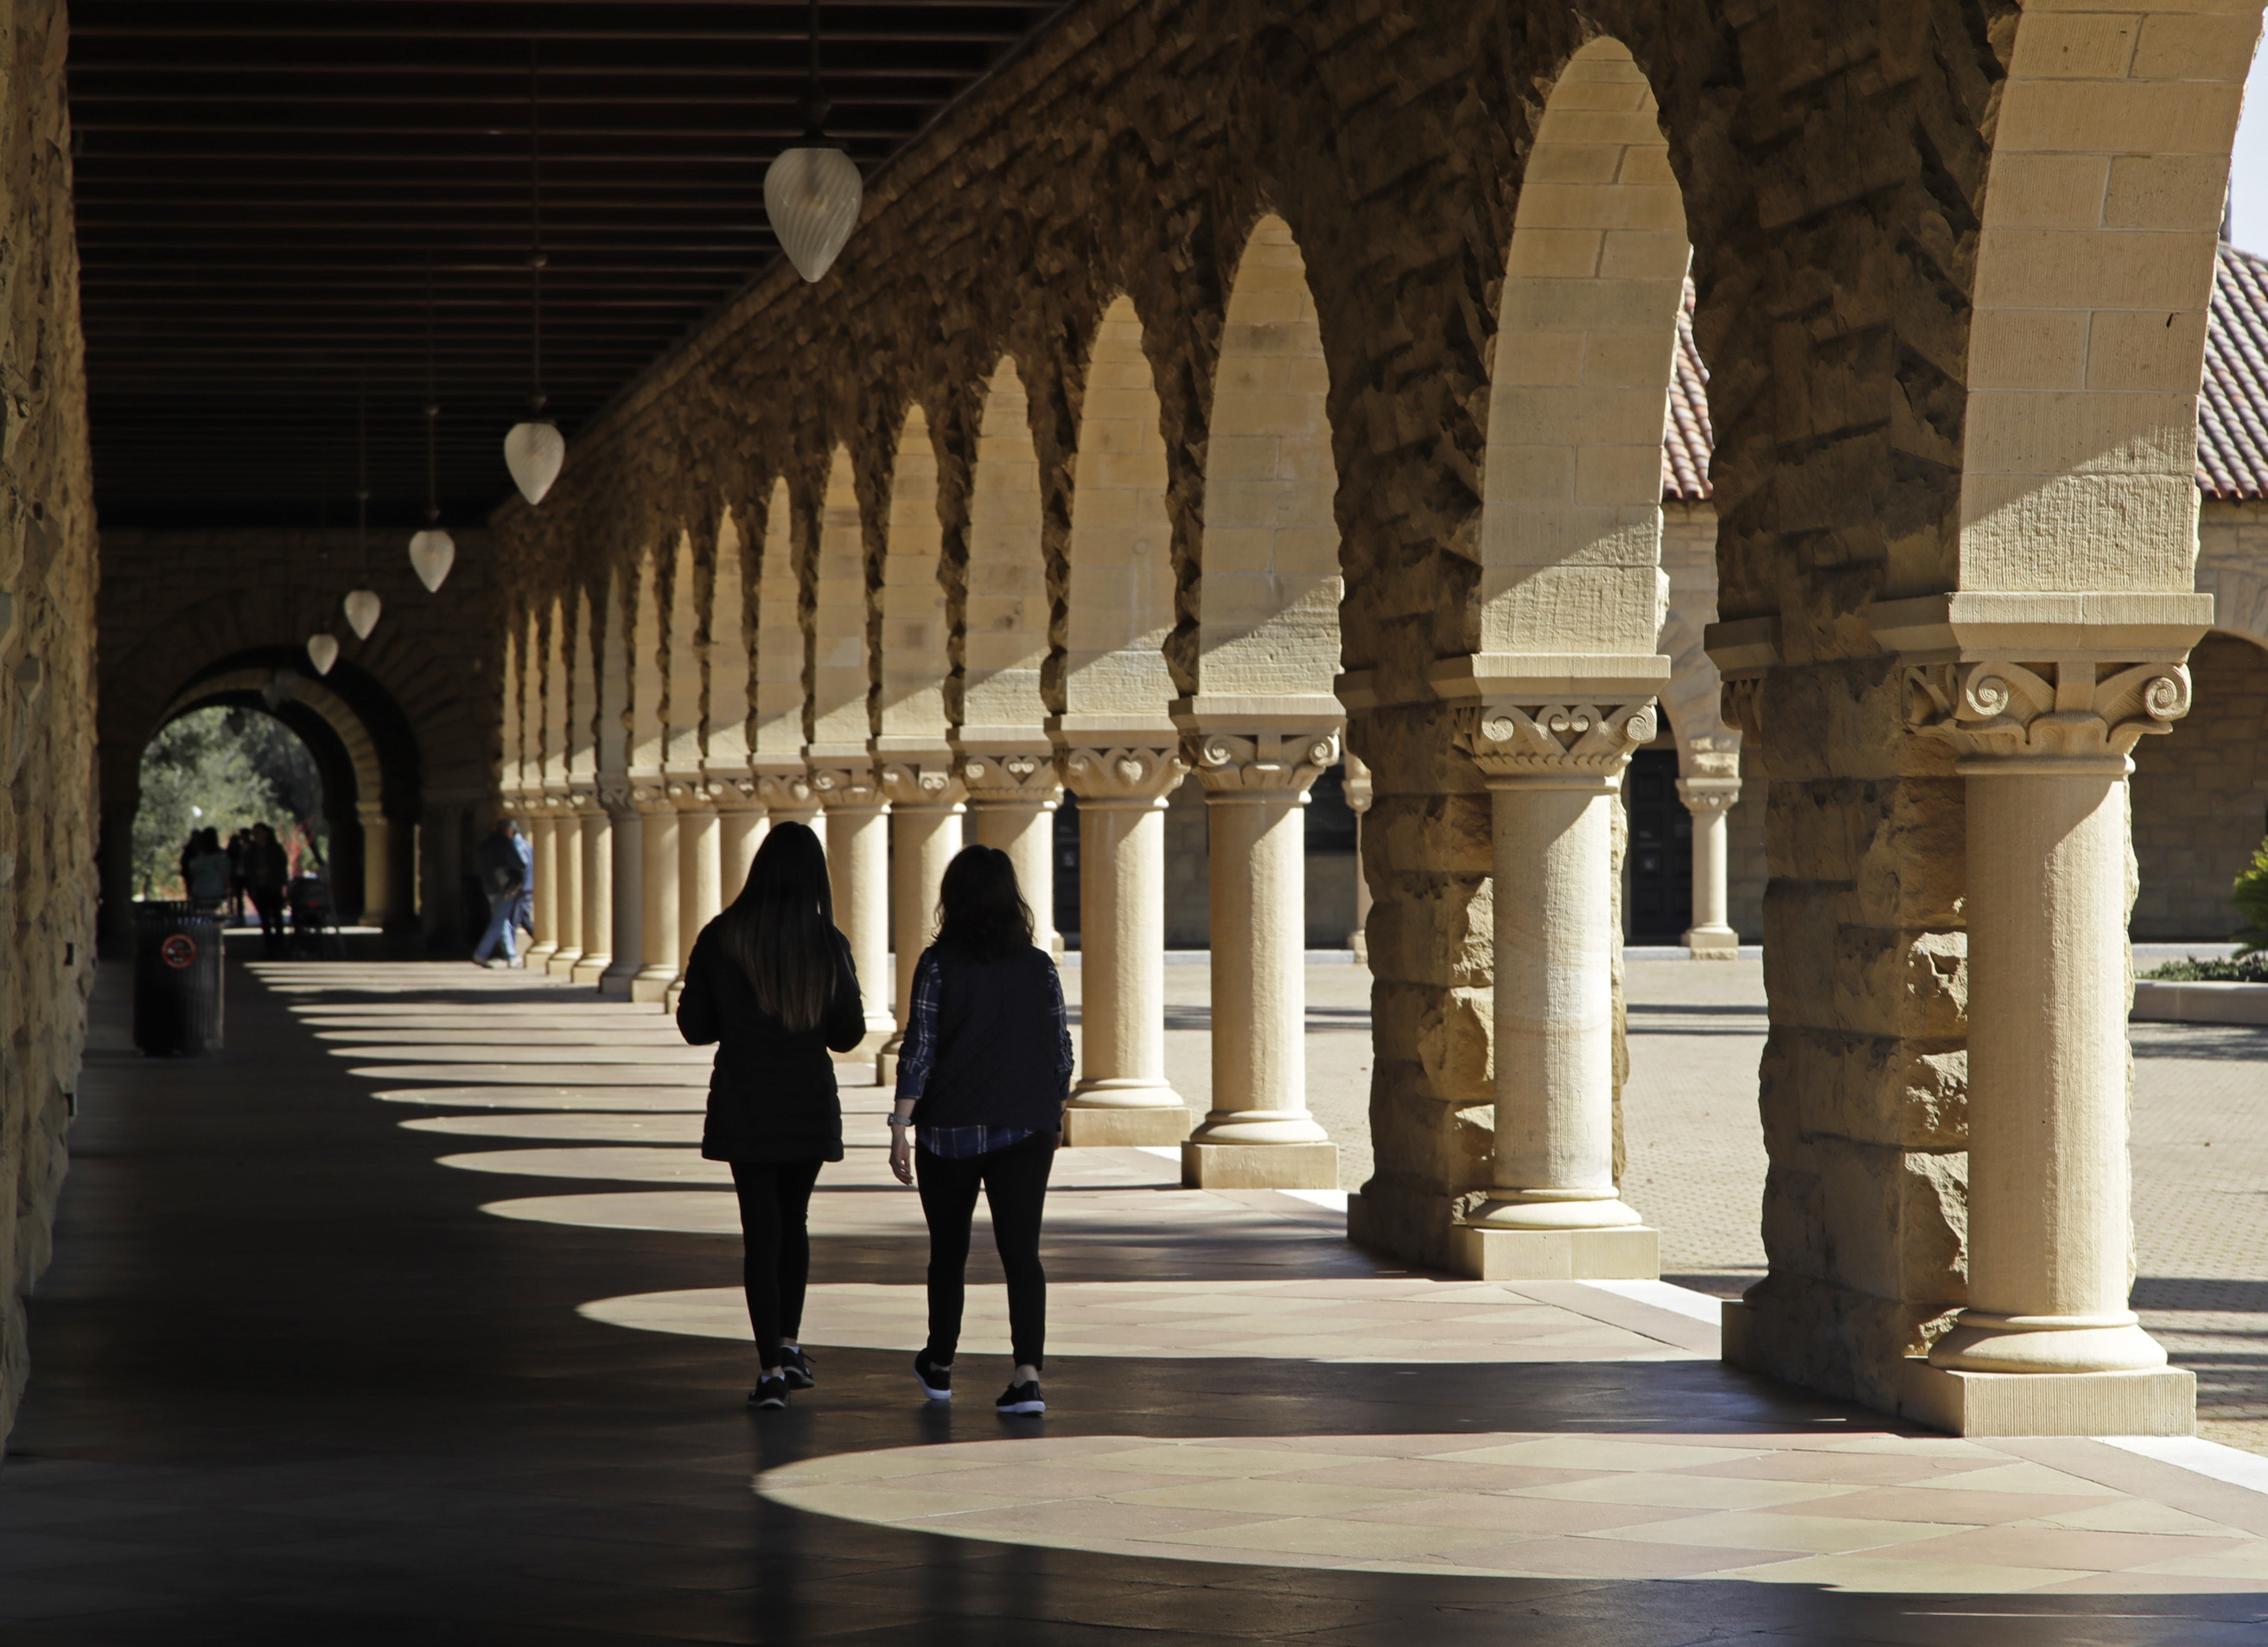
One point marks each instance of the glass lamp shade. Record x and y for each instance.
(322, 651)
(431, 553)
(361, 612)
(533, 452)
(812, 197)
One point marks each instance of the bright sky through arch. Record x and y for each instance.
(2248, 166)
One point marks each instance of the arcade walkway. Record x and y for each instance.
(409, 1318)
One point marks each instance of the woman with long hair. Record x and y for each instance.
(983, 1077)
(770, 984)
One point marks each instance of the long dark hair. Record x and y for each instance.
(780, 931)
(981, 911)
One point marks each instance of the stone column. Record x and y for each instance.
(1013, 797)
(1357, 781)
(2048, 1345)
(740, 826)
(567, 878)
(699, 871)
(1122, 1096)
(535, 818)
(1708, 799)
(858, 867)
(596, 837)
(657, 903)
(1553, 771)
(377, 864)
(1259, 1135)
(926, 818)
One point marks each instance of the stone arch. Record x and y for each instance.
(911, 659)
(643, 674)
(1269, 582)
(1586, 333)
(731, 652)
(779, 643)
(685, 648)
(836, 715)
(1119, 576)
(1002, 625)
(2094, 266)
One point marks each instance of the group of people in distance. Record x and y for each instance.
(983, 1073)
(217, 880)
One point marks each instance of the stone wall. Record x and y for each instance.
(47, 664)
(2200, 796)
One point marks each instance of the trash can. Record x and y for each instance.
(177, 973)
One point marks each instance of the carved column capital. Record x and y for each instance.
(845, 786)
(1010, 778)
(2073, 714)
(784, 791)
(1554, 743)
(1121, 775)
(735, 794)
(1709, 795)
(613, 795)
(924, 780)
(1262, 763)
(1357, 784)
(651, 797)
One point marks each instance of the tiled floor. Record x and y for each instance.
(409, 1318)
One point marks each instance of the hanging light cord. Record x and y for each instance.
(814, 107)
(432, 402)
(536, 258)
(362, 471)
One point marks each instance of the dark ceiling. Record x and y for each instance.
(262, 184)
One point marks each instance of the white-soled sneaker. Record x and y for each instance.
(936, 1382)
(1019, 1400)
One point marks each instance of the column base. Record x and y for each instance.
(669, 996)
(1713, 943)
(2157, 1401)
(1630, 1253)
(649, 985)
(538, 957)
(592, 969)
(562, 965)
(1260, 1166)
(1091, 1128)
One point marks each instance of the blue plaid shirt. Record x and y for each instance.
(917, 1056)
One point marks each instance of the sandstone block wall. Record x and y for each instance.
(2200, 796)
(47, 664)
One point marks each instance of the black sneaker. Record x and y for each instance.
(796, 1367)
(936, 1382)
(770, 1391)
(1019, 1399)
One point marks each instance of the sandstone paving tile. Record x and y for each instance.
(1036, 1482)
(1595, 1452)
(1494, 1512)
(1780, 1530)
(1435, 1475)
(1590, 1558)
(2138, 1515)
(1052, 1522)
(1906, 1446)
(1682, 1490)
(2141, 1584)
(1870, 1573)
(1206, 1460)
(2059, 1546)
(2024, 1478)
(1266, 1496)
(1979, 1509)
(1852, 1469)
(865, 1501)
(2249, 1560)
(1324, 1535)
(1381, 1449)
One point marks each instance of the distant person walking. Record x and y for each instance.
(205, 872)
(504, 877)
(523, 907)
(983, 1077)
(265, 872)
(239, 844)
(772, 985)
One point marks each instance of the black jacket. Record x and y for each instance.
(772, 1094)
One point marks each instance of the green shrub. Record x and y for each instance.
(2245, 968)
(2249, 895)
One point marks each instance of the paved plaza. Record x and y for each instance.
(430, 1331)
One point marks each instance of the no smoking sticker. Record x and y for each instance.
(178, 950)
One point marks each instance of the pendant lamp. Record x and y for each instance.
(362, 604)
(812, 191)
(534, 450)
(432, 552)
(322, 651)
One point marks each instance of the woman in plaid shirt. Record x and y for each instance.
(982, 1076)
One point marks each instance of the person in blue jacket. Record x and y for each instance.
(982, 1076)
(771, 984)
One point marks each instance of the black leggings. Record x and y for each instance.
(1015, 1181)
(774, 1247)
